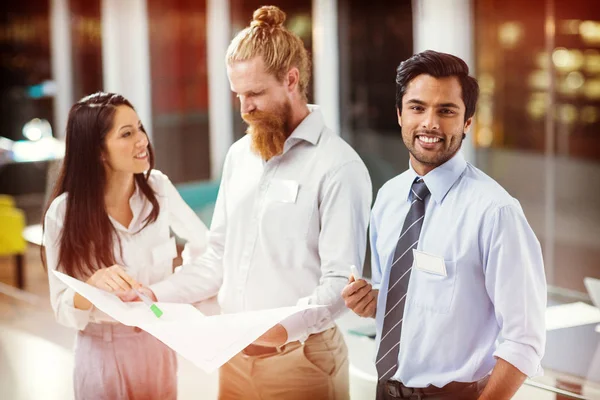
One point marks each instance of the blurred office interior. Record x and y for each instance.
(537, 132)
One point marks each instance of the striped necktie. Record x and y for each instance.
(389, 345)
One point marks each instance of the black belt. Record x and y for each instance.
(396, 390)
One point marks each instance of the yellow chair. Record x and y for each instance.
(12, 224)
(6, 201)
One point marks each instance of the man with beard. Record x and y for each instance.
(458, 287)
(291, 218)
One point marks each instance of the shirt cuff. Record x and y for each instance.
(521, 356)
(165, 291)
(71, 316)
(296, 328)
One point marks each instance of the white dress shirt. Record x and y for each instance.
(147, 255)
(285, 231)
(490, 303)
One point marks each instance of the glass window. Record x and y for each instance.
(178, 72)
(537, 124)
(25, 95)
(374, 37)
(86, 53)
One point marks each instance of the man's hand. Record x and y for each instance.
(360, 297)
(131, 295)
(504, 382)
(274, 337)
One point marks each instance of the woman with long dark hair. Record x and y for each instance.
(108, 224)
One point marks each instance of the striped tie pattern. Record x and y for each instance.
(389, 345)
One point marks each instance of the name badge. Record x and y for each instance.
(283, 190)
(430, 263)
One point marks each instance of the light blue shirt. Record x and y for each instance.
(492, 301)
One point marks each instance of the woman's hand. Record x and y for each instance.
(112, 279)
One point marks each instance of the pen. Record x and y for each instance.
(153, 307)
(355, 272)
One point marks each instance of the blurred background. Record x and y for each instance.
(537, 131)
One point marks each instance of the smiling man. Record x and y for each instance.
(458, 288)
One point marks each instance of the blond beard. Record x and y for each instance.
(268, 131)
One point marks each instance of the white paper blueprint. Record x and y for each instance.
(208, 342)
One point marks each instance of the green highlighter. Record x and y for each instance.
(153, 307)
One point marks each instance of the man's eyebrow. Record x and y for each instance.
(449, 105)
(443, 105)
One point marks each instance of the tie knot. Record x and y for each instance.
(420, 190)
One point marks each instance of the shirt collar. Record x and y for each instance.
(137, 203)
(310, 128)
(441, 179)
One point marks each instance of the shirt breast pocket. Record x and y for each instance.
(431, 291)
(165, 252)
(287, 215)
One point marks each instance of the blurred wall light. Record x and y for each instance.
(486, 83)
(567, 60)
(567, 113)
(591, 89)
(536, 106)
(590, 31)
(592, 61)
(46, 88)
(539, 80)
(510, 34)
(541, 59)
(47, 148)
(589, 115)
(575, 79)
(37, 129)
(565, 89)
(570, 26)
(485, 137)
(485, 114)
(5, 143)
(571, 83)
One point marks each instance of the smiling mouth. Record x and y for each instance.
(142, 155)
(429, 139)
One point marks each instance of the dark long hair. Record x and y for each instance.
(87, 238)
(438, 65)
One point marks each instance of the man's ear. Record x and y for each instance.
(399, 116)
(467, 126)
(292, 79)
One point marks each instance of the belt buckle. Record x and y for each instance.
(392, 390)
(409, 393)
(399, 391)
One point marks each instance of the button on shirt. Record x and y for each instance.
(147, 253)
(285, 231)
(494, 288)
